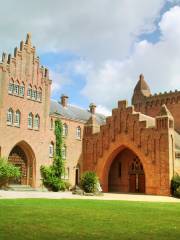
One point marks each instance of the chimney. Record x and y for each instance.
(92, 108)
(64, 100)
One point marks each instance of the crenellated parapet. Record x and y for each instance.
(24, 65)
(162, 98)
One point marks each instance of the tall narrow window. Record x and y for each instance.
(34, 93)
(78, 132)
(30, 120)
(11, 87)
(10, 116)
(51, 149)
(29, 91)
(36, 122)
(66, 173)
(21, 90)
(17, 118)
(51, 124)
(64, 152)
(39, 95)
(16, 88)
(65, 130)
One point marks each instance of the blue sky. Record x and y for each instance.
(95, 50)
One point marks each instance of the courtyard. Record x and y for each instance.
(88, 219)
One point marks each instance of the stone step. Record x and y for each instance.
(16, 187)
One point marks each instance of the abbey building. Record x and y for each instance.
(137, 149)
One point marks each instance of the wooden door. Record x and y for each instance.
(141, 182)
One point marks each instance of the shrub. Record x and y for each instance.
(175, 185)
(177, 192)
(89, 182)
(7, 171)
(50, 180)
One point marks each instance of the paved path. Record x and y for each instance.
(69, 195)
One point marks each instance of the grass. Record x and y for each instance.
(38, 219)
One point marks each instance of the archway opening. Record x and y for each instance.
(22, 156)
(126, 173)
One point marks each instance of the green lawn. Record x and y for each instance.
(88, 219)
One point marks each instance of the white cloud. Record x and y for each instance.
(98, 30)
(103, 110)
(58, 80)
(160, 63)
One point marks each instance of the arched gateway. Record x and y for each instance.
(126, 173)
(23, 157)
(130, 152)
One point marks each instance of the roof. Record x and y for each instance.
(141, 84)
(150, 120)
(74, 112)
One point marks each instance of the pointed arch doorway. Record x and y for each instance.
(126, 173)
(23, 157)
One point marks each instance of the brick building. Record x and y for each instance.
(137, 149)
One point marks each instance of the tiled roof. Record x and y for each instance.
(74, 113)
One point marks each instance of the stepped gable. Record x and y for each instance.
(24, 65)
(139, 129)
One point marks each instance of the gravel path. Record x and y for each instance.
(69, 195)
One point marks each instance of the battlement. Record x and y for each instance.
(162, 98)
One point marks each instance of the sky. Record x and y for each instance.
(95, 50)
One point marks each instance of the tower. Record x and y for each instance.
(141, 91)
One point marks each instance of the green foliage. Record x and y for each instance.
(89, 182)
(175, 186)
(58, 160)
(50, 180)
(52, 175)
(7, 171)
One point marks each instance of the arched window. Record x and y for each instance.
(64, 151)
(51, 124)
(30, 120)
(29, 91)
(36, 121)
(51, 149)
(11, 87)
(21, 90)
(16, 88)
(34, 93)
(78, 132)
(65, 130)
(10, 116)
(39, 95)
(17, 118)
(66, 173)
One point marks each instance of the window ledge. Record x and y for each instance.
(34, 100)
(16, 95)
(36, 129)
(17, 126)
(10, 124)
(78, 139)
